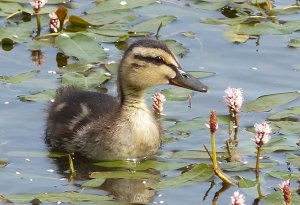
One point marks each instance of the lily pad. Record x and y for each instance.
(93, 183)
(293, 112)
(176, 47)
(80, 46)
(123, 175)
(189, 34)
(153, 24)
(293, 159)
(295, 43)
(276, 198)
(92, 80)
(199, 173)
(284, 175)
(112, 5)
(176, 94)
(209, 4)
(74, 67)
(246, 183)
(66, 197)
(40, 96)
(149, 164)
(10, 7)
(287, 127)
(20, 77)
(266, 103)
(201, 74)
(189, 154)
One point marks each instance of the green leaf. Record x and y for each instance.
(20, 77)
(266, 103)
(79, 21)
(199, 173)
(176, 47)
(293, 159)
(115, 5)
(246, 183)
(187, 154)
(269, 148)
(152, 24)
(284, 175)
(93, 183)
(209, 5)
(74, 67)
(108, 32)
(40, 96)
(65, 197)
(144, 165)
(295, 43)
(123, 175)
(81, 47)
(287, 127)
(112, 67)
(177, 94)
(93, 80)
(293, 112)
(189, 34)
(276, 198)
(10, 7)
(236, 38)
(201, 74)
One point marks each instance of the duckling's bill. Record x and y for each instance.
(186, 80)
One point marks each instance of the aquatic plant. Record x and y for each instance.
(158, 100)
(54, 22)
(237, 199)
(261, 137)
(285, 188)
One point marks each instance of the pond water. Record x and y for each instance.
(262, 65)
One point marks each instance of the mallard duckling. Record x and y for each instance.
(102, 127)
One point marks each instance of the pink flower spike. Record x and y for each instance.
(237, 199)
(262, 135)
(158, 102)
(38, 4)
(234, 99)
(54, 22)
(285, 188)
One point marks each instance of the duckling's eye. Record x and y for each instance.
(158, 59)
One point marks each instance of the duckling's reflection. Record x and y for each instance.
(133, 191)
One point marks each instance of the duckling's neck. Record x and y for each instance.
(133, 97)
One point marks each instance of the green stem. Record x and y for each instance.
(38, 23)
(236, 125)
(257, 162)
(71, 164)
(214, 151)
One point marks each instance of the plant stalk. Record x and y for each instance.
(257, 162)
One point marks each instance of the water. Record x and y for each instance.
(257, 69)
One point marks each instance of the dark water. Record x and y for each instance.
(257, 69)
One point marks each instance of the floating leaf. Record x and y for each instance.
(201, 74)
(152, 24)
(295, 43)
(239, 166)
(284, 175)
(236, 38)
(79, 21)
(144, 165)
(10, 7)
(187, 154)
(176, 94)
(19, 78)
(276, 198)
(176, 47)
(108, 32)
(40, 96)
(112, 5)
(107, 17)
(123, 175)
(293, 112)
(189, 34)
(74, 67)
(92, 80)
(268, 102)
(66, 197)
(246, 183)
(112, 67)
(81, 47)
(199, 173)
(293, 159)
(209, 4)
(287, 127)
(93, 183)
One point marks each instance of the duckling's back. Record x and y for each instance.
(72, 110)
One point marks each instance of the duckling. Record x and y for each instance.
(102, 127)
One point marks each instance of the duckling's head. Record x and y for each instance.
(149, 63)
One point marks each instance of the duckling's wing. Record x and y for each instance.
(72, 109)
